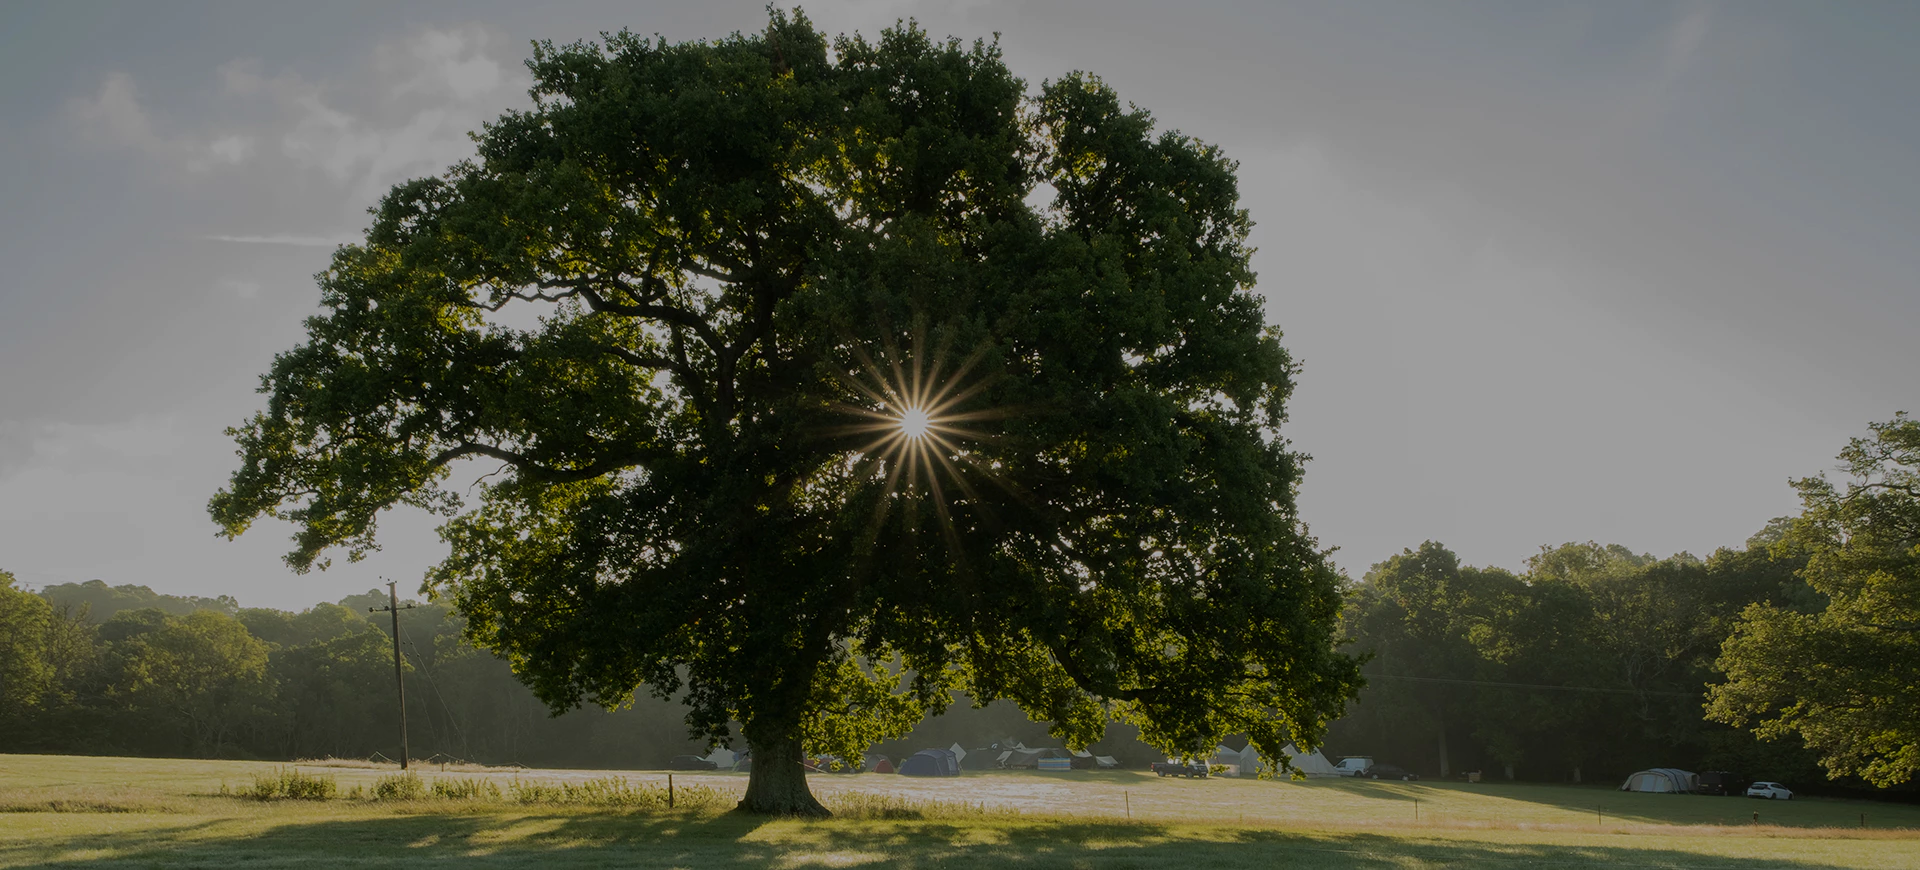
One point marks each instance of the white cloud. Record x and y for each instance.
(452, 62)
(302, 240)
(408, 113)
(405, 110)
(294, 239)
(232, 149)
(114, 117)
(114, 113)
(125, 445)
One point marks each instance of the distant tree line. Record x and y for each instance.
(1795, 658)
(1591, 664)
(88, 668)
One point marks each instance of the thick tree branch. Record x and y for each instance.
(653, 311)
(546, 474)
(513, 296)
(652, 361)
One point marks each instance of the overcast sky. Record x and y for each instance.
(1556, 271)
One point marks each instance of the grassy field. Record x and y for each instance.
(120, 812)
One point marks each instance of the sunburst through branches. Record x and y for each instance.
(914, 422)
(920, 429)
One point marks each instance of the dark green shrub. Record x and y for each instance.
(291, 784)
(400, 787)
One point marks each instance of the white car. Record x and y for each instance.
(1354, 765)
(1772, 791)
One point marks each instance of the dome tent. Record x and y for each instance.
(931, 762)
(1662, 780)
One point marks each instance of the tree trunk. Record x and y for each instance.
(777, 783)
(1444, 766)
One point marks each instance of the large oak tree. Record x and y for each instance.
(861, 377)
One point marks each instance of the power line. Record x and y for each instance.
(465, 748)
(1501, 685)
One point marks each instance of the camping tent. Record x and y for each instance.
(1084, 760)
(931, 762)
(1666, 780)
(1246, 762)
(1029, 759)
(980, 759)
(1309, 763)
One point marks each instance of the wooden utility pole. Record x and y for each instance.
(399, 685)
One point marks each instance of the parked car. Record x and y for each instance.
(1354, 765)
(691, 762)
(1389, 771)
(1195, 769)
(1772, 791)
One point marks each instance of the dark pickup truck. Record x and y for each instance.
(1195, 769)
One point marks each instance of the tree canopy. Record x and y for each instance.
(860, 376)
(1845, 676)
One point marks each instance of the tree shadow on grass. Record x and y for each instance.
(1605, 806)
(565, 839)
(1697, 809)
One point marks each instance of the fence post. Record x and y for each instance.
(669, 791)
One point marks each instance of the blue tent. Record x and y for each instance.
(931, 762)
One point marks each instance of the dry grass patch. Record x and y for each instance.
(442, 766)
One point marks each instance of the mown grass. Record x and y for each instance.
(171, 815)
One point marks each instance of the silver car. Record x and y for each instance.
(1772, 791)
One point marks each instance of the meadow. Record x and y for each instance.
(65, 811)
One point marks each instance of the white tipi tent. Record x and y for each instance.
(1246, 762)
(1309, 763)
(1234, 761)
